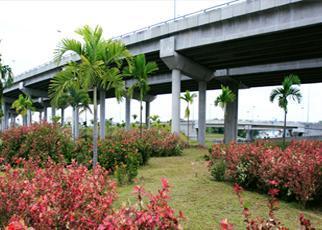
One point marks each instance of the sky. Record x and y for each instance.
(31, 30)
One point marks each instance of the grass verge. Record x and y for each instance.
(204, 201)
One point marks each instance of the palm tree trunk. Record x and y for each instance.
(188, 126)
(284, 129)
(225, 118)
(62, 118)
(73, 124)
(95, 128)
(76, 123)
(188, 131)
(141, 108)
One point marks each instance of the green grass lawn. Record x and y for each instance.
(210, 138)
(204, 201)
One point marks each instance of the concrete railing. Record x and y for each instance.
(178, 18)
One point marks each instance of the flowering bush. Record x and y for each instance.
(38, 141)
(297, 168)
(70, 196)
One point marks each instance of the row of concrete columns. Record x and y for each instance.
(231, 112)
(230, 119)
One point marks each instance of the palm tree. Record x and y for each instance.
(188, 97)
(227, 96)
(283, 93)
(62, 104)
(22, 105)
(62, 88)
(140, 70)
(78, 98)
(99, 66)
(6, 80)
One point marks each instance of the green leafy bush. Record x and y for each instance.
(218, 170)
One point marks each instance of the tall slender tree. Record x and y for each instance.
(140, 70)
(286, 92)
(227, 96)
(22, 105)
(188, 98)
(78, 98)
(99, 66)
(62, 104)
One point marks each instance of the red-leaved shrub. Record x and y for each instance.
(37, 141)
(56, 195)
(297, 168)
(60, 196)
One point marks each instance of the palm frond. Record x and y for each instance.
(227, 96)
(287, 90)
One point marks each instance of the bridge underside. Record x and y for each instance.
(273, 48)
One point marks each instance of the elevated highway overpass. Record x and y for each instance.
(242, 44)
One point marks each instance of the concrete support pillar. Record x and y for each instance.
(62, 116)
(24, 120)
(29, 117)
(147, 114)
(45, 113)
(176, 88)
(5, 117)
(127, 113)
(75, 123)
(202, 86)
(13, 120)
(40, 116)
(231, 117)
(102, 114)
(249, 135)
(53, 113)
(3, 107)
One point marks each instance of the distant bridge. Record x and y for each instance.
(248, 126)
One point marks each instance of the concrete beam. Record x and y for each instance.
(32, 92)
(175, 60)
(9, 100)
(269, 68)
(157, 79)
